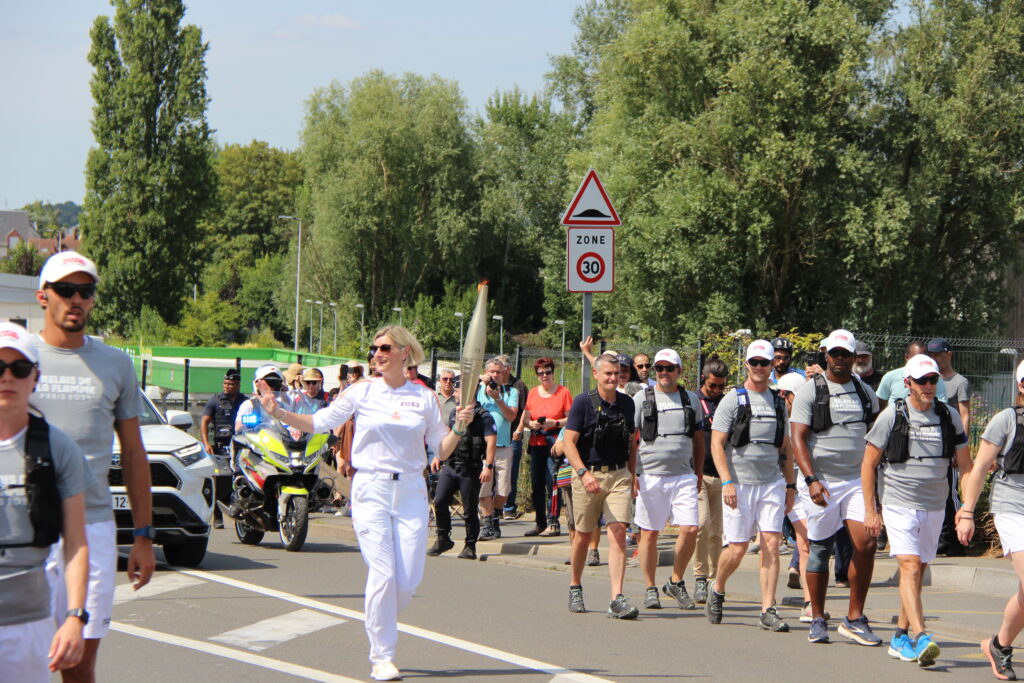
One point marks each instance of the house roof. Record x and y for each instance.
(18, 222)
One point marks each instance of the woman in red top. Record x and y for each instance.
(547, 408)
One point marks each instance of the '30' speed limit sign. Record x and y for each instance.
(590, 263)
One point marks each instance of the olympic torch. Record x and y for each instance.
(472, 362)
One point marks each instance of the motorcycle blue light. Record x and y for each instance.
(250, 420)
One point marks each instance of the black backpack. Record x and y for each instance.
(649, 415)
(898, 449)
(821, 410)
(1013, 461)
(45, 508)
(740, 435)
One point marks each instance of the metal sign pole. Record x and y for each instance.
(585, 367)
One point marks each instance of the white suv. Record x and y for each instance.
(182, 475)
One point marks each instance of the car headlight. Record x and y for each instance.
(189, 454)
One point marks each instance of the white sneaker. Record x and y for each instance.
(385, 671)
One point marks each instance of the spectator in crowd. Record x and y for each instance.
(446, 394)
(714, 378)
(547, 411)
(412, 373)
(912, 445)
(892, 386)
(863, 366)
(600, 444)
(343, 379)
(293, 376)
(509, 511)
(355, 373)
(642, 363)
(313, 387)
(220, 411)
(782, 358)
(500, 400)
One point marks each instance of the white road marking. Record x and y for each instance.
(475, 648)
(237, 655)
(165, 583)
(270, 632)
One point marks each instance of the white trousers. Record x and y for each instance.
(23, 650)
(390, 519)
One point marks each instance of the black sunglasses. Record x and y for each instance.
(664, 368)
(930, 379)
(273, 383)
(759, 362)
(840, 353)
(386, 348)
(19, 368)
(66, 290)
(643, 366)
(545, 373)
(716, 385)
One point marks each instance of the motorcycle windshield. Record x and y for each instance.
(259, 420)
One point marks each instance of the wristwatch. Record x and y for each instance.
(79, 614)
(810, 479)
(791, 486)
(144, 532)
(490, 465)
(581, 471)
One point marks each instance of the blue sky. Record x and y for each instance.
(265, 59)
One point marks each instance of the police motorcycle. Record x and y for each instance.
(278, 479)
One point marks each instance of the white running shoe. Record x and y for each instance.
(385, 671)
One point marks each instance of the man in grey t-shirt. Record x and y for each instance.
(89, 391)
(914, 488)
(829, 448)
(671, 452)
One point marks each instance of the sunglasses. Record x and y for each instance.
(759, 362)
(310, 382)
(273, 383)
(664, 368)
(840, 353)
(19, 368)
(447, 379)
(545, 373)
(716, 385)
(66, 290)
(386, 348)
(930, 379)
(643, 366)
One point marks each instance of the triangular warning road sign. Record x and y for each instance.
(590, 205)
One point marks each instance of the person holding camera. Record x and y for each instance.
(600, 445)
(501, 401)
(547, 411)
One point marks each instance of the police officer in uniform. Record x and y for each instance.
(221, 410)
(470, 465)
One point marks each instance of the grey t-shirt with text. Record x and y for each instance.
(919, 483)
(1007, 489)
(24, 590)
(671, 453)
(758, 461)
(837, 451)
(83, 391)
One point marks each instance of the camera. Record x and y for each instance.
(492, 385)
(541, 420)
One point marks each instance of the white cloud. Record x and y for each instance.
(336, 22)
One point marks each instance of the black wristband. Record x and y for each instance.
(791, 486)
(810, 479)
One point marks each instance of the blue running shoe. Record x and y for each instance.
(818, 632)
(927, 650)
(897, 644)
(908, 653)
(859, 631)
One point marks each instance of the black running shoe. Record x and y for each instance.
(713, 607)
(1000, 659)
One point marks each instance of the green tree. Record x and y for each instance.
(149, 178)
(23, 259)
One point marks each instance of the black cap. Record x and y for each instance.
(233, 374)
(938, 345)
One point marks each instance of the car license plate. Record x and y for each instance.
(121, 502)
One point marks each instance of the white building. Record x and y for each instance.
(18, 301)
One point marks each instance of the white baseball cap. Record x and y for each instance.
(840, 339)
(1020, 372)
(64, 263)
(791, 381)
(669, 356)
(921, 365)
(760, 348)
(264, 371)
(14, 336)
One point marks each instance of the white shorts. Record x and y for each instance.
(798, 514)
(99, 600)
(759, 507)
(845, 501)
(502, 474)
(1010, 526)
(662, 496)
(23, 650)
(913, 532)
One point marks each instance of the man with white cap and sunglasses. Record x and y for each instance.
(913, 443)
(831, 416)
(748, 436)
(89, 391)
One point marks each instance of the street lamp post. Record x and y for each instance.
(310, 302)
(334, 349)
(362, 326)
(398, 309)
(501, 333)
(320, 335)
(298, 277)
(461, 316)
(561, 372)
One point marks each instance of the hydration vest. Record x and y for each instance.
(898, 449)
(740, 435)
(611, 432)
(45, 508)
(821, 410)
(1013, 461)
(649, 415)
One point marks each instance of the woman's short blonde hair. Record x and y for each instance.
(406, 340)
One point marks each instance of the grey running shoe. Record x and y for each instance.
(713, 608)
(700, 590)
(651, 599)
(859, 631)
(620, 608)
(818, 632)
(468, 552)
(576, 599)
(678, 591)
(771, 621)
(1000, 659)
(593, 557)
